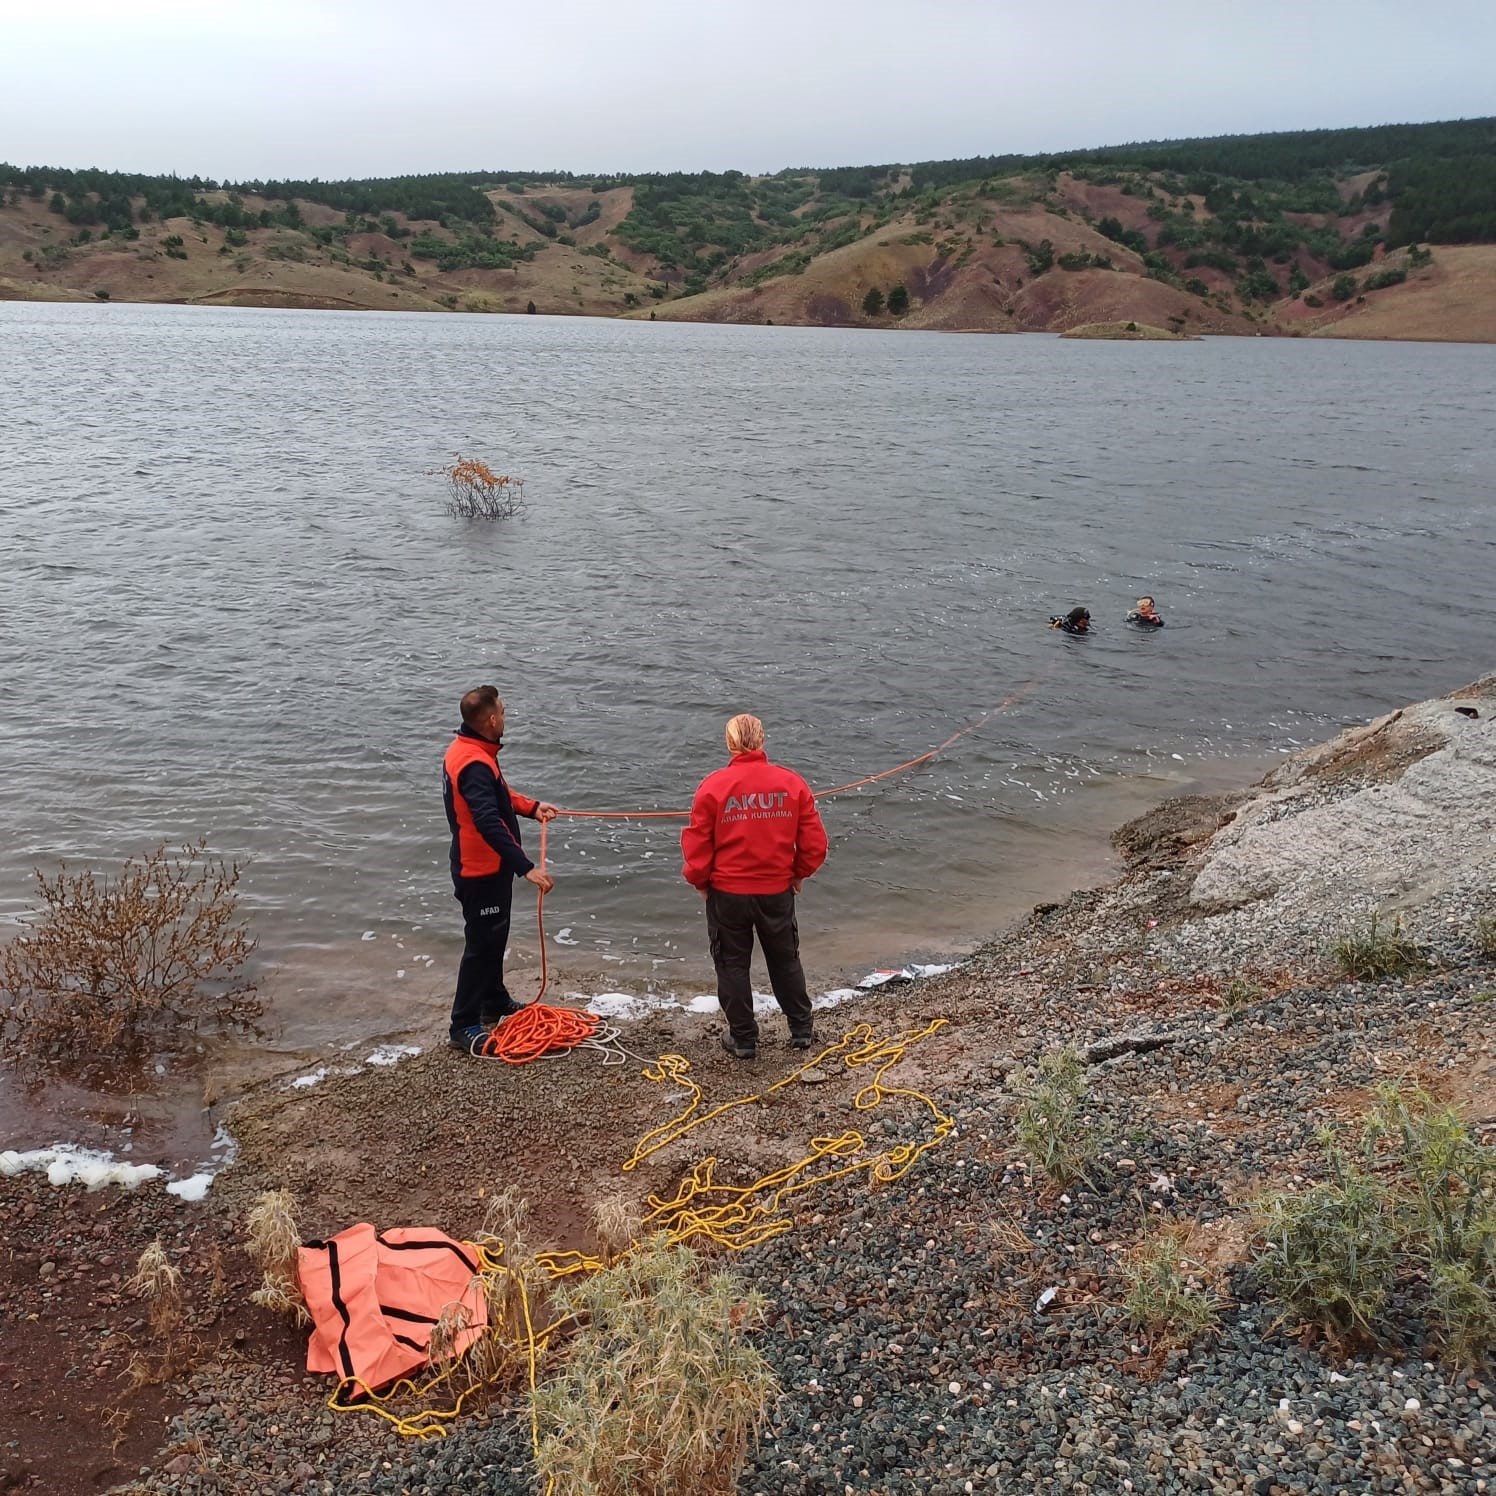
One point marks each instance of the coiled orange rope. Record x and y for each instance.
(539, 1029)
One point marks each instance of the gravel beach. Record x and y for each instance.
(960, 1329)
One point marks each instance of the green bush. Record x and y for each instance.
(1257, 285)
(898, 300)
(1414, 1211)
(1330, 1254)
(1393, 275)
(1040, 257)
(872, 303)
(1344, 287)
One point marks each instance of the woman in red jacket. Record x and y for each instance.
(754, 837)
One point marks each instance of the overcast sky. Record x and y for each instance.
(333, 88)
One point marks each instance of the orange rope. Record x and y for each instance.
(841, 789)
(539, 1029)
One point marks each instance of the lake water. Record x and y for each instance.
(232, 604)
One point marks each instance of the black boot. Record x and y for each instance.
(739, 1051)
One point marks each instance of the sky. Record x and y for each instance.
(347, 88)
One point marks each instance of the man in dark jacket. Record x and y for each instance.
(753, 839)
(487, 857)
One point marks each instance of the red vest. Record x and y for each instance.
(476, 858)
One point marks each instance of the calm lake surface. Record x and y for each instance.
(232, 605)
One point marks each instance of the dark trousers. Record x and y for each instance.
(481, 993)
(732, 920)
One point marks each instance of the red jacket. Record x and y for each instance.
(754, 829)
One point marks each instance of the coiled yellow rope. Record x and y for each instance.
(702, 1210)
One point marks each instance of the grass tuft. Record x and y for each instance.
(158, 1284)
(1372, 953)
(1484, 936)
(617, 1223)
(274, 1240)
(515, 1292)
(1060, 1140)
(1169, 1304)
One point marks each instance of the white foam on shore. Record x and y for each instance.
(617, 1004)
(66, 1163)
(623, 1005)
(391, 1054)
(191, 1189)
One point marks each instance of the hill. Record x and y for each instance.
(1335, 233)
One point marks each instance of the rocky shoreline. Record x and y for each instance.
(905, 1320)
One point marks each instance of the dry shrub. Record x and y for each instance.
(660, 1392)
(117, 968)
(159, 1286)
(514, 1291)
(447, 1332)
(273, 1243)
(617, 1223)
(475, 491)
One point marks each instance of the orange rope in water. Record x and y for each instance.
(539, 1026)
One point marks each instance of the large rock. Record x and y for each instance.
(1390, 815)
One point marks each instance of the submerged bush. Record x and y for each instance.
(115, 968)
(475, 491)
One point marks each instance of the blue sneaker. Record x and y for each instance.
(468, 1039)
(504, 1010)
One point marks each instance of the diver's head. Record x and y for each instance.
(1079, 618)
(1145, 605)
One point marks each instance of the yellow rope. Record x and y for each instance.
(734, 1217)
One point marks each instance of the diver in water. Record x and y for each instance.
(1145, 616)
(1076, 621)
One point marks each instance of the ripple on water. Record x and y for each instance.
(234, 605)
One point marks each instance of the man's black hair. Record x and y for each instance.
(478, 703)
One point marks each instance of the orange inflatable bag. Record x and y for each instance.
(375, 1297)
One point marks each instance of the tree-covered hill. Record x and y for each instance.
(1240, 223)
